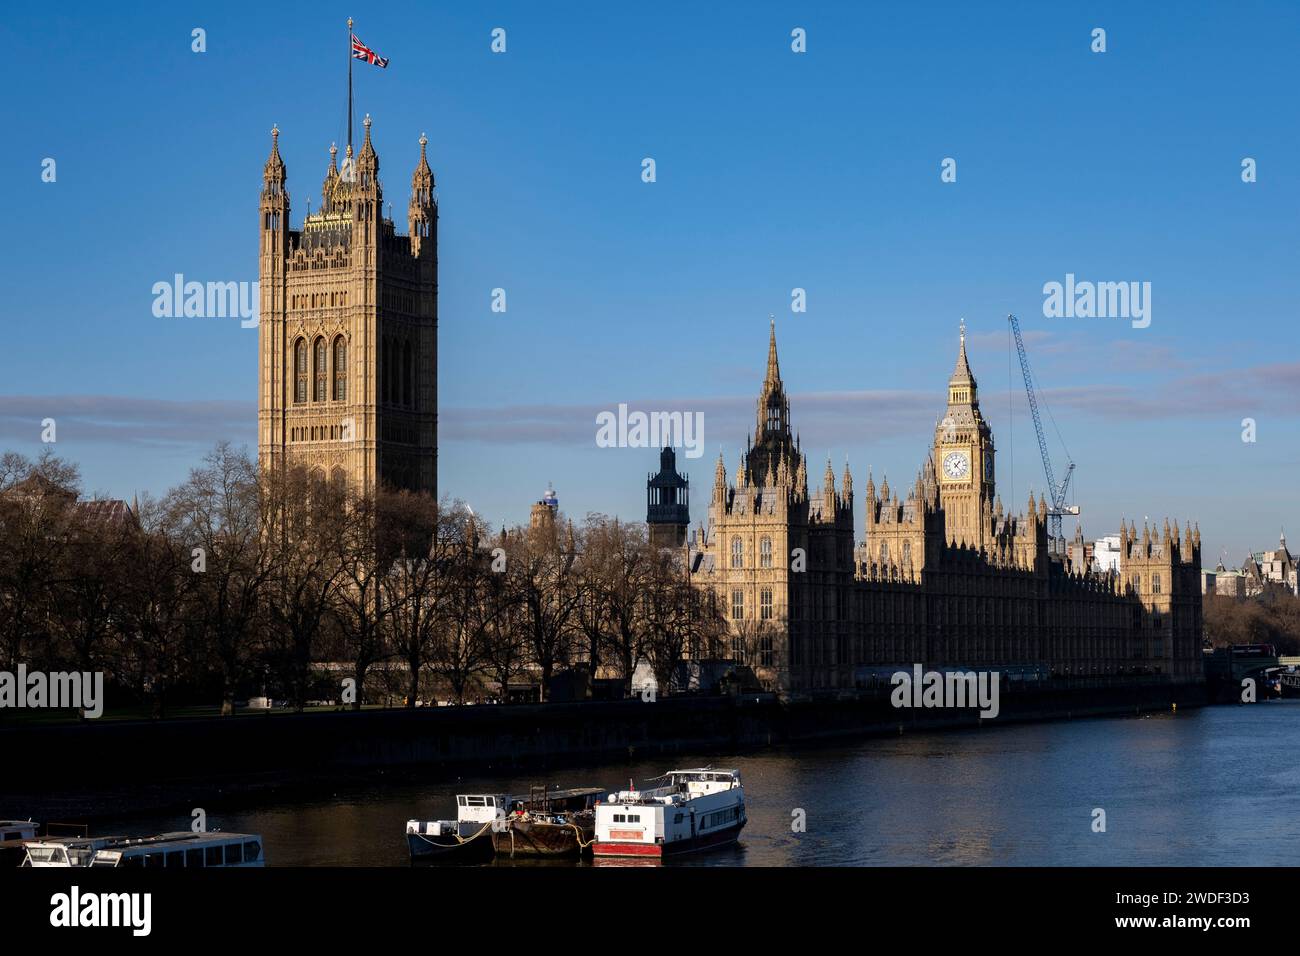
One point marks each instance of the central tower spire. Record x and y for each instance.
(773, 444)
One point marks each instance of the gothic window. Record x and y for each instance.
(320, 370)
(884, 552)
(737, 604)
(338, 475)
(738, 648)
(907, 552)
(737, 552)
(765, 604)
(765, 649)
(300, 371)
(1155, 584)
(765, 553)
(406, 373)
(340, 369)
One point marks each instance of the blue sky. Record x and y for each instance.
(774, 170)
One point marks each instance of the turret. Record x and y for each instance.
(275, 203)
(422, 210)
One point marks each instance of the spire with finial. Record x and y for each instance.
(368, 160)
(420, 215)
(719, 479)
(961, 386)
(847, 483)
(773, 377)
(273, 172)
(329, 187)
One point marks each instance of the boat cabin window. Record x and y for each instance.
(154, 860)
(473, 801)
(46, 854)
(212, 855)
(176, 858)
(234, 853)
(194, 857)
(252, 850)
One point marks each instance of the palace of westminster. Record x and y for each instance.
(943, 576)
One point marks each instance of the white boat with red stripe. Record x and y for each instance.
(695, 810)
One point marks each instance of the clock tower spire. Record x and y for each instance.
(963, 457)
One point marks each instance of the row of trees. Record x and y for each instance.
(239, 582)
(1272, 617)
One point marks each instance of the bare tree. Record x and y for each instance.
(228, 523)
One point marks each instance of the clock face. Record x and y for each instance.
(956, 465)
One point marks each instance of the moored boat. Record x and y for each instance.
(696, 810)
(12, 835)
(549, 823)
(467, 839)
(182, 848)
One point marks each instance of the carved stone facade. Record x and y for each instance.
(944, 577)
(348, 328)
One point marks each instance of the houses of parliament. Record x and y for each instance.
(944, 575)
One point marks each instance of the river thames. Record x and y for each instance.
(1218, 786)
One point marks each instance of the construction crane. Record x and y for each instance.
(1056, 493)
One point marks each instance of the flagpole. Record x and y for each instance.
(349, 82)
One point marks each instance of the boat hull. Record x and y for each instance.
(708, 841)
(447, 849)
(531, 838)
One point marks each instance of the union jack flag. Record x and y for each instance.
(362, 52)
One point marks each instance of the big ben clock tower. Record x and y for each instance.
(963, 457)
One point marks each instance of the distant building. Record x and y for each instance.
(542, 517)
(37, 489)
(668, 511)
(1224, 582)
(1106, 553)
(1271, 567)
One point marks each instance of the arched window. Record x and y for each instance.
(337, 475)
(765, 553)
(406, 373)
(737, 552)
(340, 369)
(300, 371)
(884, 552)
(1155, 584)
(322, 372)
(907, 553)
